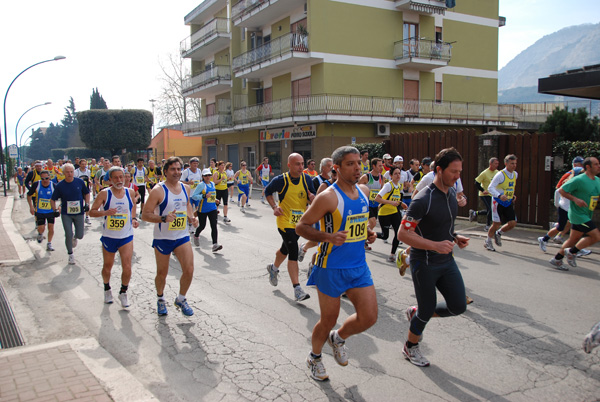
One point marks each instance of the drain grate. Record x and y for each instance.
(10, 336)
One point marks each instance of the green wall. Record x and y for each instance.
(427, 86)
(481, 8)
(470, 89)
(282, 86)
(476, 45)
(285, 28)
(369, 81)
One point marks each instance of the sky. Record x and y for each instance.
(116, 46)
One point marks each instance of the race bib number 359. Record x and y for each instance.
(180, 221)
(116, 222)
(356, 225)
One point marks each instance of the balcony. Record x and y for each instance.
(257, 13)
(205, 10)
(220, 122)
(422, 54)
(213, 81)
(209, 39)
(277, 56)
(422, 6)
(350, 108)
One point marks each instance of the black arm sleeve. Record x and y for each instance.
(478, 185)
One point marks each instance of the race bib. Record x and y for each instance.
(395, 197)
(195, 184)
(153, 179)
(593, 202)
(44, 204)
(73, 207)
(211, 196)
(116, 222)
(356, 225)
(295, 215)
(180, 221)
(373, 194)
(266, 177)
(509, 194)
(244, 180)
(139, 180)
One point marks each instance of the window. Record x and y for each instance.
(410, 34)
(438, 35)
(244, 83)
(438, 92)
(244, 33)
(301, 88)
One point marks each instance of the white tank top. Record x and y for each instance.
(139, 176)
(177, 229)
(117, 226)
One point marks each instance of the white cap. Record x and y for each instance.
(387, 156)
(398, 158)
(206, 172)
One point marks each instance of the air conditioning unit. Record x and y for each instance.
(383, 129)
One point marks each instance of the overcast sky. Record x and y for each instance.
(116, 46)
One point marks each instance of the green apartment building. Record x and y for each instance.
(307, 76)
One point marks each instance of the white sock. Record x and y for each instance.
(276, 267)
(180, 298)
(336, 337)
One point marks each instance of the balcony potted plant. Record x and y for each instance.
(301, 42)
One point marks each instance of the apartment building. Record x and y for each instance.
(307, 76)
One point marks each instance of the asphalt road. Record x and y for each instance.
(520, 340)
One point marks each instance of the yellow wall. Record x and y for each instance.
(481, 8)
(222, 58)
(368, 81)
(426, 27)
(426, 86)
(285, 28)
(476, 45)
(282, 86)
(470, 89)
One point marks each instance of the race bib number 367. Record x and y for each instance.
(356, 225)
(180, 221)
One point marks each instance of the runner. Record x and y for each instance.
(42, 191)
(390, 199)
(75, 199)
(206, 195)
(341, 266)
(168, 206)
(244, 180)
(365, 166)
(482, 183)
(20, 181)
(84, 174)
(428, 227)
(425, 168)
(230, 181)
(295, 191)
(387, 163)
(155, 175)
(59, 170)
(139, 175)
(192, 176)
(264, 173)
(220, 180)
(127, 183)
(51, 169)
(502, 188)
(117, 206)
(99, 179)
(213, 165)
(583, 191)
(310, 168)
(374, 181)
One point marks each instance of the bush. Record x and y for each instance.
(571, 126)
(86, 153)
(376, 150)
(571, 149)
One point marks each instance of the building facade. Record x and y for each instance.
(170, 141)
(307, 76)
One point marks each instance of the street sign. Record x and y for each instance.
(13, 151)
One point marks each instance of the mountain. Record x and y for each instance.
(570, 48)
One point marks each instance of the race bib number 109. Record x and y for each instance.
(356, 225)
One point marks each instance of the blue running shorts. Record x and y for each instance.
(113, 245)
(166, 247)
(333, 282)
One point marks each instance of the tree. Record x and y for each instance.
(571, 126)
(96, 100)
(115, 129)
(172, 106)
(70, 132)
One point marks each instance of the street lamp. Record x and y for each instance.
(4, 112)
(17, 126)
(19, 149)
(152, 101)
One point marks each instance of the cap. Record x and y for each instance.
(578, 159)
(387, 156)
(206, 172)
(38, 163)
(426, 161)
(398, 158)
(577, 170)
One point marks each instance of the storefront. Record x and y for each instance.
(279, 143)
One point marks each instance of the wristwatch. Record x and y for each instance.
(163, 219)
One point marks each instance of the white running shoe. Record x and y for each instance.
(489, 245)
(415, 356)
(87, 220)
(584, 252)
(300, 294)
(108, 297)
(301, 252)
(40, 237)
(49, 247)
(571, 258)
(542, 244)
(558, 239)
(498, 238)
(124, 300)
(71, 259)
(472, 215)
(248, 204)
(74, 242)
(243, 210)
(196, 241)
(592, 339)
(558, 264)
(216, 247)
(226, 219)
(263, 201)
(317, 369)
(391, 258)
(340, 354)
(273, 274)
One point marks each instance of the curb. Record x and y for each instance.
(23, 251)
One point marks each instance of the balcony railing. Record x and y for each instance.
(338, 106)
(422, 49)
(214, 122)
(423, 6)
(217, 73)
(215, 27)
(288, 43)
(244, 6)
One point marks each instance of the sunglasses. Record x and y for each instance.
(45, 178)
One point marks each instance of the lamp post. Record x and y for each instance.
(17, 126)
(152, 101)
(2, 154)
(20, 151)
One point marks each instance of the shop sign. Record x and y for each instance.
(289, 133)
(210, 141)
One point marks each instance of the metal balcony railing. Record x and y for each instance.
(376, 107)
(214, 27)
(422, 49)
(217, 73)
(222, 119)
(291, 42)
(243, 7)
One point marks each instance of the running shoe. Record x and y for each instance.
(489, 245)
(124, 300)
(391, 258)
(367, 247)
(415, 356)
(231, 200)
(196, 241)
(74, 242)
(410, 312)
(558, 239)
(486, 228)
(542, 244)
(49, 247)
(386, 241)
(243, 210)
(498, 238)
(108, 297)
(584, 252)
(317, 369)
(87, 220)
(558, 264)
(238, 204)
(216, 247)
(161, 307)
(340, 353)
(310, 269)
(184, 307)
(592, 339)
(226, 219)
(469, 300)
(263, 201)
(40, 237)
(71, 259)
(402, 262)
(301, 252)
(248, 204)
(273, 274)
(300, 294)
(472, 215)
(571, 258)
